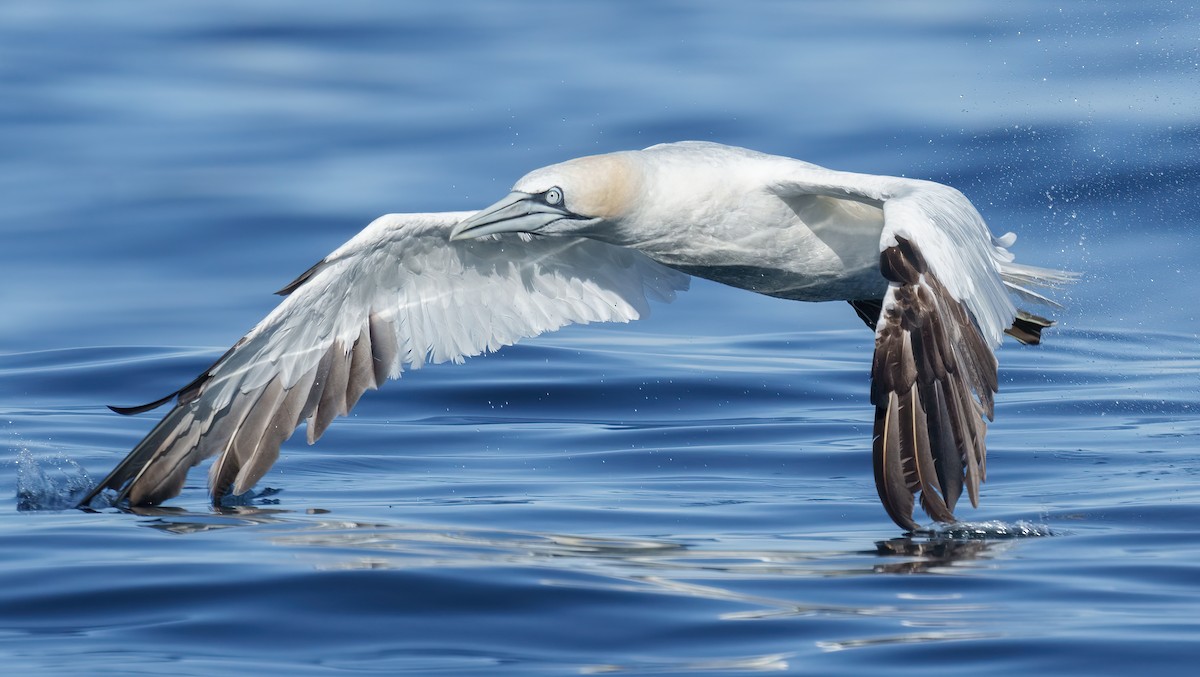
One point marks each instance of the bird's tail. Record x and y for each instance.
(1024, 281)
(1028, 283)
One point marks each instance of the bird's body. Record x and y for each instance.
(591, 240)
(710, 211)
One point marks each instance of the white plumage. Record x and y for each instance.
(591, 240)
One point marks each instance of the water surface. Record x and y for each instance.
(688, 494)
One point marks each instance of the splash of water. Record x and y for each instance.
(49, 482)
(992, 530)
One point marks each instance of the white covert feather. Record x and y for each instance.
(445, 300)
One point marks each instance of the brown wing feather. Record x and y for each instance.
(933, 381)
(399, 293)
(890, 478)
(248, 432)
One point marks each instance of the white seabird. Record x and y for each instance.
(590, 240)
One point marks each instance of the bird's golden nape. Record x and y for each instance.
(933, 380)
(595, 186)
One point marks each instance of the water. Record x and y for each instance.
(688, 494)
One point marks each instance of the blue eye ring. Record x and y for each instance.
(553, 197)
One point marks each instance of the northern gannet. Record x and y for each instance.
(591, 240)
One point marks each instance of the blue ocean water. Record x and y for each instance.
(688, 494)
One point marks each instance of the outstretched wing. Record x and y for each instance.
(397, 294)
(946, 307)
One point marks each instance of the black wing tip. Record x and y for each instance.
(85, 503)
(301, 279)
(901, 512)
(903, 521)
(141, 408)
(185, 394)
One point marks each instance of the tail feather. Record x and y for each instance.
(1023, 280)
(1027, 327)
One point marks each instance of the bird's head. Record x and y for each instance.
(576, 197)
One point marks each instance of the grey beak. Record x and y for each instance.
(517, 213)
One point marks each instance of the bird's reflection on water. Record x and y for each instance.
(645, 559)
(748, 578)
(928, 549)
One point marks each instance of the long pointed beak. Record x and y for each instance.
(517, 213)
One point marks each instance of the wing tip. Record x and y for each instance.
(301, 278)
(141, 408)
(921, 433)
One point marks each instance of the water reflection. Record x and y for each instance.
(691, 567)
(438, 546)
(176, 520)
(769, 662)
(748, 578)
(927, 550)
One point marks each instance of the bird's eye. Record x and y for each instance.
(554, 196)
